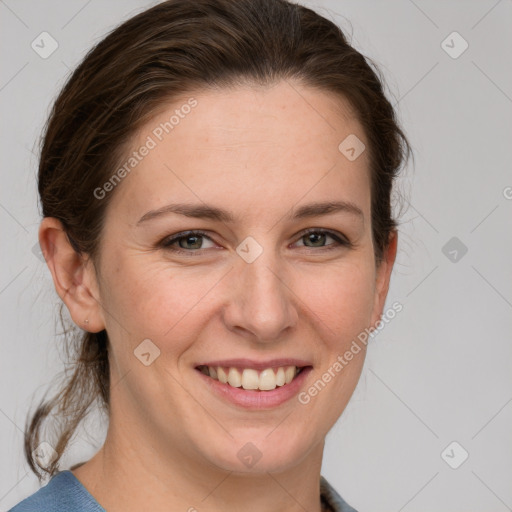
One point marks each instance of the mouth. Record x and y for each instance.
(253, 379)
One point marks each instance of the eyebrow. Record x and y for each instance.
(211, 212)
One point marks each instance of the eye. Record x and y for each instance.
(192, 242)
(189, 241)
(318, 237)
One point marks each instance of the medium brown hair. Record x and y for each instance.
(170, 49)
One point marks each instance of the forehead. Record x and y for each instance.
(249, 146)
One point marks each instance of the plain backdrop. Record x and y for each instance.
(437, 383)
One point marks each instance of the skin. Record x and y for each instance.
(258, 152)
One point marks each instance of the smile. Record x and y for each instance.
(250, 378)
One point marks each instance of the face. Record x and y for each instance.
(269, 278)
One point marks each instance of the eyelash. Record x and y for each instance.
(166, 243)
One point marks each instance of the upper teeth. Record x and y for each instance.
(249, 378)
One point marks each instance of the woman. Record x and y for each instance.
(215, 180)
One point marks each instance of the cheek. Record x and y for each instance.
(161, 302)
(340, 298)
(167, 304)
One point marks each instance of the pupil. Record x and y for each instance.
(189, 239)
(318, 237)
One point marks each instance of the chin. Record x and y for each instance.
(261, 452)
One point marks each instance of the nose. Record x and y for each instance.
(261, 305)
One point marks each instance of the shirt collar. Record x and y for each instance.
(331, 500)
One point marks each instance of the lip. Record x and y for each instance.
(254, 399)
(242, 363)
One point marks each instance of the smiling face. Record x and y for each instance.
(254, 168)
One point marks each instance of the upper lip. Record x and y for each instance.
(257, 365)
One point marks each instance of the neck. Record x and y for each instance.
(127, 476)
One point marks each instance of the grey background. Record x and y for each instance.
(441, 370)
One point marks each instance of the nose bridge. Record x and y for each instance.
(260, 300)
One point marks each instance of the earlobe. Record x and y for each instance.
(73, 276)
(383, 276)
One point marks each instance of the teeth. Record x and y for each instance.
(289, 373)
(234, 378)
(221, 375)
(280, 377)
(249, 378)
(268, 379)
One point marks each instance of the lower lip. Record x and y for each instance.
(254, 399)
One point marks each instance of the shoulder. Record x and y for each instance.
(332, 499)
(63, 493)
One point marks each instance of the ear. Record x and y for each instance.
(383, 277)
(73, 276)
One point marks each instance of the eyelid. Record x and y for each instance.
(340, 239)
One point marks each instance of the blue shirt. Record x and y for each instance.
(65, 493)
